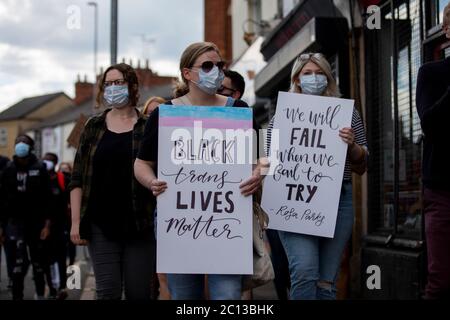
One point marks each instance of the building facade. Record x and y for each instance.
(377, 66)
(18, 118)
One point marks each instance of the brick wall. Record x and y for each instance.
(218, 26)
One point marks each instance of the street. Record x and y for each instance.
(87, 291)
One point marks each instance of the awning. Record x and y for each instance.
(325, 34)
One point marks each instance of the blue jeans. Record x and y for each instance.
(191, 286)
(314, 261)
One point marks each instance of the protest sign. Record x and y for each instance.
(204, 223)
(301, 193)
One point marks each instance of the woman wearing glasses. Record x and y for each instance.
(314, 261)
(111, 211)
(201, 71)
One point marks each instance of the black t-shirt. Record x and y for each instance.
(60, 200)
(149, 146)
(433, 107)
(110, 205)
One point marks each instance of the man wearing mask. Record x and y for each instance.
(59, 236)
(433, 107)
(25, 186)
(233, 85)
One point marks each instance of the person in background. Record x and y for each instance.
(151, 104)
(433, 107)
(57, 244)
(314, 261)
(3, 163)
(159, 284)
(65, 168)
(201, 68)
(25, 186)
(111, 211)
(233, 85)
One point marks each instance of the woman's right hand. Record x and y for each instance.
(157, 187)
(75, 235)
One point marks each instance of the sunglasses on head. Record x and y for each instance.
(207, 66)
(306, 56)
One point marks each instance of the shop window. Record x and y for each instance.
(393, 60)
(441, 5)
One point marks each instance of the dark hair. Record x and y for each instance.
(52, 155)
(129, 76)
(237, 80)
(29, 141)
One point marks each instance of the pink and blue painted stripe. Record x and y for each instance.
(207, 117)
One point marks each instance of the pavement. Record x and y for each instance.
(29, 289)
(87, 291)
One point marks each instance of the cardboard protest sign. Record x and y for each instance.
(301, 193)
(204, 223)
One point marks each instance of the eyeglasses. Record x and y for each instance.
(309, 55)
(117, 82)
(223, 88)
(207, 66)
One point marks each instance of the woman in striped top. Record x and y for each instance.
(314, 261)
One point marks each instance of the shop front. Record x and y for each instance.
(409, 36)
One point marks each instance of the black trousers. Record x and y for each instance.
(26, 247)
(127, 264)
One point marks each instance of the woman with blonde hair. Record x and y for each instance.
(201, 68)
(160, 282)
(314, 261)
(151, 104)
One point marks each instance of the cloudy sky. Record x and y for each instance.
(43, 44)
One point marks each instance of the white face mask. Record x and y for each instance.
(209, 82)
(116, 96)
(49, 164)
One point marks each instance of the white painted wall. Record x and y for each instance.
(54, 139)
(67, 153)
(239, 14)
(288, 5)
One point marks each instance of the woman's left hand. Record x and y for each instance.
(249, 186)
(347, 136)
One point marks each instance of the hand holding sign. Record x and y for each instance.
(301, 193)
(249, 186)
(347, 136)
(157, 187)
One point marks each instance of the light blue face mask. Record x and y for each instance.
(22, 149)
(314, 84)
(116, 96)
(49, 165)
(210, 82)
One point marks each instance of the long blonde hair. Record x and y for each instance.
(190, 54)
(159, 100)
(319, 59)
(446, 15)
